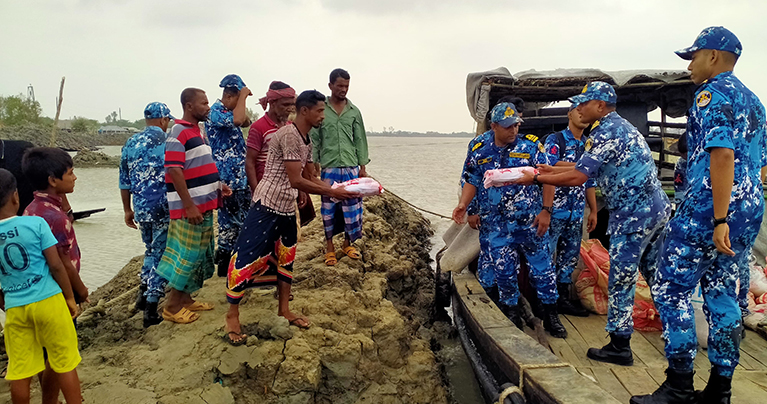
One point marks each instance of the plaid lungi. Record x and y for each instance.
(264, 252)
(350, 209)
(188, 258)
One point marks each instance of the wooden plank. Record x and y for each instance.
(755, 346)
(747, 362)
(566, 386)
(759, 378)
(485, 312)
(746, 391)
(578, 344)
(520, 347)
(564, 351)
(467, 284)
(586, 371)
(511, 350)
(636, 380)
(611, 384)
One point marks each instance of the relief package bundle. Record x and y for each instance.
(364, 186)
(504, 176)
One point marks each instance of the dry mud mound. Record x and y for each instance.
(368, 342)
(87, 158)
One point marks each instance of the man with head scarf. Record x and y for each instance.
(281, 101)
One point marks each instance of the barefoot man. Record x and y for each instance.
(266, 248)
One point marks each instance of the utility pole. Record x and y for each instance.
(31, 93)
(120, 113)
(59, 100)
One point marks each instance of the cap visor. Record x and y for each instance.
(686, 53)
(578, 99)
(171, 117)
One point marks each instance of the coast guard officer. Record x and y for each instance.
(564, 148)
(618, 157)
(715, 226)
(514, 215)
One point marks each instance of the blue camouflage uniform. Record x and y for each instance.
(618, 157)
(507, 213)
(566, 228)
(485, 271)
(728, 115)
(228, 147)
(681, 184)
(142, 172)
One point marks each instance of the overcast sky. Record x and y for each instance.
(408, 58)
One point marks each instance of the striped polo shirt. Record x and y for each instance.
(186, 149)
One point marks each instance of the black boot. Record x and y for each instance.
(677, 389)
(151, 316)
(222, 262)
(140, 298)
(512, 312)
(566, 305)
(551, 321)
(717, 391)
(618, 351)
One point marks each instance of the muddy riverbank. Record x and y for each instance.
(370, 342)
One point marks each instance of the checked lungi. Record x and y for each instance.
(264, 252)
(350, 209)
(188, 258)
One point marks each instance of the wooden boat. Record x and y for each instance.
(559, 371)
(563, 374)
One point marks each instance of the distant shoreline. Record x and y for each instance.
(465, 135)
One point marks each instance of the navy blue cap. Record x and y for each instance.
(505, 114)
(156, 110)
(596, 90)
(233, 81)
(716, 38)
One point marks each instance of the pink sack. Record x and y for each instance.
(505, 176)
(364, 186)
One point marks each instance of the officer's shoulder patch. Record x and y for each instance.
(541, 148)
(588, 144)
(703, 99)
(476, 146)
(531, 138)
(485, 160)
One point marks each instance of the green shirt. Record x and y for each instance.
(341, 140)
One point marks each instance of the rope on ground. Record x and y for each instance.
(410, 204)
(518, 388)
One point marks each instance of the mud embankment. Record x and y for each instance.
(87, 158)
(369, 342)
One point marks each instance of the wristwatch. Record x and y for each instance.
(548, 209)
(717, 222)
(535, 179)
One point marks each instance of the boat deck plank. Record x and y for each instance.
(610, 383)
(635, 380)
(749, 383)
